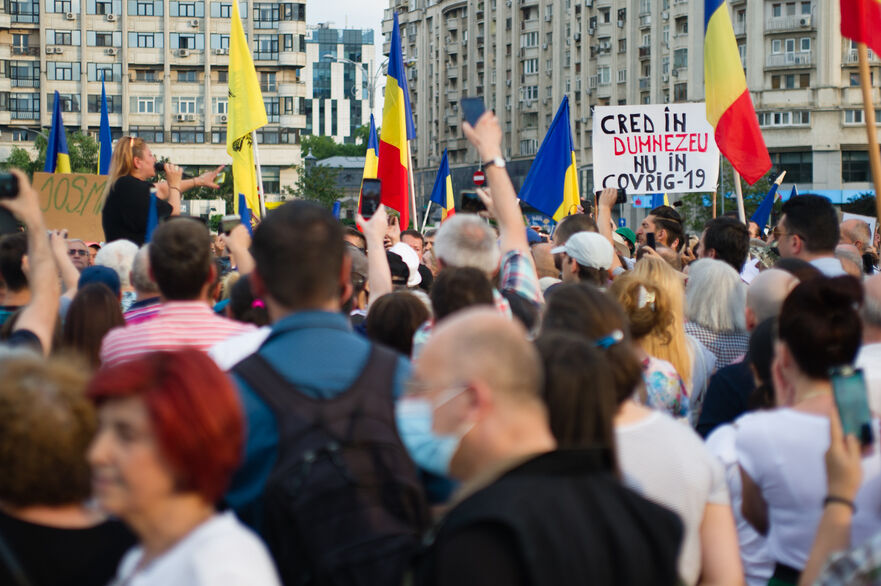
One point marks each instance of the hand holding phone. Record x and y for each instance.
(371, 195)
(472, 109)
(227, 223)
(851, 398)
(650, 240)
(471, 203)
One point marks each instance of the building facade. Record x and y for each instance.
(165, 66)
(340, 74)
(523, 56)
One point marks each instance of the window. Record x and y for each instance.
(184, 106)
(605, 15)
(791, 81)
(187, 76)
(107, 71)
(528, 146)
(187, 41)
(69, 102)
(604, 75)
(529, 39)
(790, 45)
(855, 79)
(221, 10)
(146, 75)
(799, 165)
(146, 105)
(100, 39)
(221, 105)
(297, 11)
(680, 92)
(804, 44)
(858, 116)
(145, 7)
(271, 178)
(529, 92)
(187, 136)
(680, 58)
(187, 9)
(222, 75)
(665, 64)
(530, 66)
(63, 71)
(267, 81)
(25, 106)
(622, 45)
(114, 103)
(622, 76)
(59, 6)
(788, 118)
(145, 40)
(266, 15)
(806, 8)
(25, 73)
(103, 7)
(855, 166)
(219, 137)
(220, 41)
(266, 47)
(148, 134)
(25, 11)
(54, 37)
(776, 46)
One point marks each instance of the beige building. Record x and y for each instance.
(523, 56)
(165, 66)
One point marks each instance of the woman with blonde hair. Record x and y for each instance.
(692, 360)
(649, 312)
(127, 198)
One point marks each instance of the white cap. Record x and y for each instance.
(589, 249)
(411, 259)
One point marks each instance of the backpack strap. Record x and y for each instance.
(12, 564)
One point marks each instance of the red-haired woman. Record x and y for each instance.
(170, 436)
(127, 195)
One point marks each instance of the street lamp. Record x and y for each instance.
(371, 78)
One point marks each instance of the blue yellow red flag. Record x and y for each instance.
(246, 112)
(57, 155)
(396, 122)
(551, 186)
(729, 106)
(442, 193)
(371, 158)
(105, 141)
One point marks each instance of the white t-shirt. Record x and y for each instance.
(757, 562)
(219, 552)
(666, 462)
(869, 359)
(783, 451)
(233, 350)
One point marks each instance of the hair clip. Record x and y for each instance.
(610, 340)
(131, 142)
(645, 298)
(258, 303)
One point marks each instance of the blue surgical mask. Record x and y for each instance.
(430, 450)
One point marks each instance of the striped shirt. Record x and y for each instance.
(178, 324)
(142, 311)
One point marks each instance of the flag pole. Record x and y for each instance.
(738, 189)
(714, 203)
(871, 132)
(260, 197)
(412, 186)
(425, 219)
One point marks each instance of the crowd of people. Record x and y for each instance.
(475, 404)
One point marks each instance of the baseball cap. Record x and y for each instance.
(100, 274)
(627, 233)
(589, 249)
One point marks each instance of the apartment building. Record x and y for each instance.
(523, 56)
(165, 66)
(340, 77)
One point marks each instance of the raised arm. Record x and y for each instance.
(238, 242)
(379, 275)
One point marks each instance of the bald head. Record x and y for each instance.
(850, 259)
(857, 233)
(765, 295)
(544, 260)
(480, 344)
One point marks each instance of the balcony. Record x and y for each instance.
(291, 58)
(295, 89)
(269, 56)
(453, 73)
(26, 51)
(24, 114)
(645, 52)
(851, 57)
(293, 120)
(645, 21)
(452, 24)
(291, 27)
(789, 59)
(25, 82)
(645, 83)
(739, 28)
(788, 23)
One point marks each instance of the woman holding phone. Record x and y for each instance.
(127, 195)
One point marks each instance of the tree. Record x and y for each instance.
(316, 183)
(863, 204)
(81, 147)
(323, 147)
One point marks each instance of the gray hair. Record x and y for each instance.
(715, 296)
(119, 256)
(850, 253)
(466, 241)
(870, 311)
(141, 280)
(767, 291)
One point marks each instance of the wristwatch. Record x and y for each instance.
(497, 161)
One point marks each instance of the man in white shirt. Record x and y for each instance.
(869, 358)
(808, 230)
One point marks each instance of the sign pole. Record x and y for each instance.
(425, 219)
(738, 189)
(869, 117)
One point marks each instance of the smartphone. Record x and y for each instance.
(371, 194)
(650, 240)
(8, 186)
(471, 203)
(227, 223)
(472, 109)
(851, 398)
(622, 195)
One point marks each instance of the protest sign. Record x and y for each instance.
(72, 201)
(654, 148)
(867, 219)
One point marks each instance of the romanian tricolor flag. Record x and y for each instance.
(246, 112)
(551, 186)
(729, 106)
(861, 21)
(396, 125)
(57, 157)
(442, 193)
(371, 158)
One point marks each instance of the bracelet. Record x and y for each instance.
(178, 188)
(831, 499)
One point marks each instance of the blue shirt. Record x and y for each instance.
(319, 354)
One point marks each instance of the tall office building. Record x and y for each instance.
(340, 75)
(165, 65)
(522, 56)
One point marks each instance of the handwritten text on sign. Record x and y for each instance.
(72, 201)
(654, 148)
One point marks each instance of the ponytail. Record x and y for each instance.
(123, 161)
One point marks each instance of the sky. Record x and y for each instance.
(353, 14)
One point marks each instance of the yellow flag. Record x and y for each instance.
(246, 112)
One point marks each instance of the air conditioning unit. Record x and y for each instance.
(112, 51)
(69, 16)
(191, 117)
(508, 82)
(547, 18)
(59, 50)
(577, 37)
(194, 23)
(181, 117)
(591, 31)
(183, 52)
(620, 24)
(588, 3)
(225, 51)
(675, 73)
(545, 101)
(50, 50)
(805, 21)
(223, 117)
(665, 78)
(544, 46)
(111, 18)
(589, 91)
(508, 107)
(218, 51)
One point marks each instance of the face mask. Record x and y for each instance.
(431, 451)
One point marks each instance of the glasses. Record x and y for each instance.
(779, 233)
(77, 252)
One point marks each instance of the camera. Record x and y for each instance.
(8, 186)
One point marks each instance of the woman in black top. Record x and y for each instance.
(127, 196)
